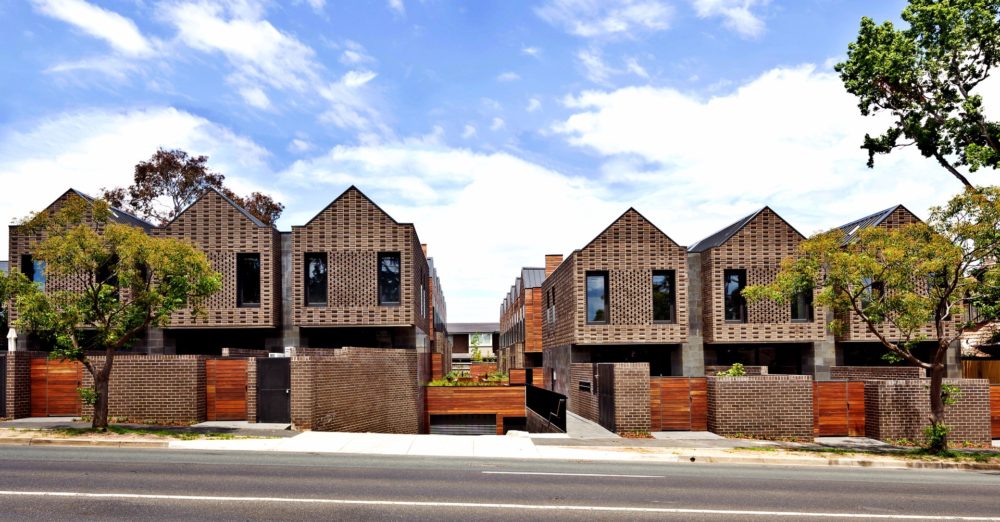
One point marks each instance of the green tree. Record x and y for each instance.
(925, 76)
(108, 282)
(899, 280)
(170, 180)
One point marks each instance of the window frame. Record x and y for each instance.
(741, 304)
(240, 301)
(811, 307)
(306, 257)
(399, 276)
(606, 298)
(671, 276)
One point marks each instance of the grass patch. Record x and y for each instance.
(152, 432)
(910, 454)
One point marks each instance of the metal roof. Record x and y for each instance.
(532, 277)
(118, 214)
(467, 328)
(723, 235)
(851, 229)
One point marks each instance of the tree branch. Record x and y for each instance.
(954, 172)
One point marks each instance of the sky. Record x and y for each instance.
(504, 130)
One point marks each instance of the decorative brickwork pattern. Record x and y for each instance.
(154, 388)
(219, 229)
(352, 231)
(582, 402)
(18, 384)
(874, 373)
(629, 250)
(900, 409)
(632, 397)
(757, 248)
(761, 406)
(357, 390)
(712, 371)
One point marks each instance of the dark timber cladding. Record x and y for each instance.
(353, 265)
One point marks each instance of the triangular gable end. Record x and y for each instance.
(350, 190)
(760, 214)
(118, 215)
(217, 193)
(630, 212)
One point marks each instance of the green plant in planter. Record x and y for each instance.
(736, 370)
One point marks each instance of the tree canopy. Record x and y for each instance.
(170, 180)
(926, 76)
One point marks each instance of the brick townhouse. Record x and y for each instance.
(621, 298)
(521, 322)
(749, 252)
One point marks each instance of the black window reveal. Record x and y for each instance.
(597, 297)
(315, 266)
(664, 297)
(247, 280)
(802, 306)
(33, 270)
(388, 278)
(734, 281)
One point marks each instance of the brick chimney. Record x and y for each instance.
(423, 246)
(552, 262)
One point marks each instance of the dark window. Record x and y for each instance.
(664, 298)
(802, 306)
(247, 280)
(316, 279)
(107, 274)
(597, 297)
(388, 278)
(734, 281)
(873, 292)
(33, 270)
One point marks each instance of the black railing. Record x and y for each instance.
(548, 405)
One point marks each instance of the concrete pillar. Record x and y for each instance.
(154, 342)
(692, 353)
(824, 357)
(953, 361)
(289, 332)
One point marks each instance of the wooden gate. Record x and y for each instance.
(226, 389)
(995, 410)
(54, 387)
(606, 396)
(678, 404)
(839, 409)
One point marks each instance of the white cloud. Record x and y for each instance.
(120, 32)
(789, 138)
(354, 53)
(497, 124)
(468, 132)
(594, 67)
(533, 105)
(531, 51)
(351, 107)
(632, 65)
(317, 5)
(87, 150)
(298, 146)
(397, 7)
(596, 18)
(255, 97)
(737, 15)
(508, 77)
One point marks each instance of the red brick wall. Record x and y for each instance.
(582, 403)
(899, 409)
(867, 373)
(632, 397)
(18, 384)
(154, 388)
(251, 389)
(357, 390)
(762, 406)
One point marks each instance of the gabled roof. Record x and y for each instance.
(719, 238)
(225, 198)
(363, 195)
(850, 230)
(532, 277)
(117, 214)
(631, 210)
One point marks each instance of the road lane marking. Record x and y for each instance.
(488, 505)
(568, 474)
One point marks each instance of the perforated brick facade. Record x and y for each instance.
(869, 373)
(154, 388)
(900, 409)
(758, 247)
(762, 406)
(217, 227)
(352, 231)
(629, 250)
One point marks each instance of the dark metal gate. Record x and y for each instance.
(3, 386)
(274, 383)
(606, 396)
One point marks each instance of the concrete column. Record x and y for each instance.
(824, 357)
(154, 342)
(953, 361)
(289, 332)
(692, 353)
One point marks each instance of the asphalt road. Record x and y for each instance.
(117, 484)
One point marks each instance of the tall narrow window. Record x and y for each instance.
(597, 297)
(734, 281)
(802, 306)
(34, 270)
(315, 279)
(388, 278)
(247, 280)
(664, 299)
(107, 274)
(873, 291)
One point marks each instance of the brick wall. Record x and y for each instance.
(711, 371)
(632, 397)
(251, 389)
(761, 406)
(900, 409)
(154, 388)
(18, 384)
(582, 403)
(357, 390)
(867, 373)
(758, 248)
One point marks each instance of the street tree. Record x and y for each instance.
(897, 281)
(170, 180)
(925, 77)
(108, 283)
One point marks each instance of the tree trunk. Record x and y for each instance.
(101, 381)
(939, 442)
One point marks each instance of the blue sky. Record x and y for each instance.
(505, 130)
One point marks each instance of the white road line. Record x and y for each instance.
(568, 474)
(479, 505)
